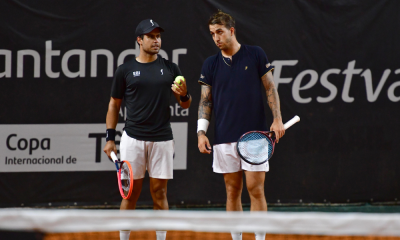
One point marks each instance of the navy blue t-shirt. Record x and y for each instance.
(236, 92)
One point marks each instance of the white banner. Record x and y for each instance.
(67, 147)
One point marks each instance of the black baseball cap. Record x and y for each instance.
(147, 26)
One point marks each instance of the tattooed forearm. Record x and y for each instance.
(205, 106)
(201, 132)
(272, 95)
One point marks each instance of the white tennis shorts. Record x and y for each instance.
(227, 160)
(156, 157)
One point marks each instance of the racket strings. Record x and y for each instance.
(255, 147)
(125, 178)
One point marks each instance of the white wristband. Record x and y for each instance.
(202, 125)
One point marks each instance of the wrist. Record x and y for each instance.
(185, 98)
(201, 133)
(110, 134)
(202, 126)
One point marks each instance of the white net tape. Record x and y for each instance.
(311, 223)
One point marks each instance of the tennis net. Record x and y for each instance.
(105, 224)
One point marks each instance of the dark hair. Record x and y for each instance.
(222, 18)
(141, 36)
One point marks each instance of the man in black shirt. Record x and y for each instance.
(147, 142)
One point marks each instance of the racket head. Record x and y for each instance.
(256, 147)
(125, 179)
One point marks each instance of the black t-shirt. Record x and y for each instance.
(146, 88)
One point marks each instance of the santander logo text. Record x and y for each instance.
(52, 56)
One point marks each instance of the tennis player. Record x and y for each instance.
(146, 84)
(231, 83)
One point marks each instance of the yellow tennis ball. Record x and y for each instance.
(179, 80)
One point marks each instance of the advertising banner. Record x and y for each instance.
(68, 147)
(337, 66)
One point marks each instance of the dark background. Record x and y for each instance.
(340, 152)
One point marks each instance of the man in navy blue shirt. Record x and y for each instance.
(231, 83)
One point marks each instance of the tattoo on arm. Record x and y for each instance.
(272, 95)
(201, 132)
(206, 105)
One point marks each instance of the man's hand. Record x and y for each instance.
(110, 146)
(180, 89)
(203, 143)
(277, 127)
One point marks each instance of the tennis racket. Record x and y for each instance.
(257, 147)
(125, 176)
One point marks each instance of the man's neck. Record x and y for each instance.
(145, 57)
(229, 52)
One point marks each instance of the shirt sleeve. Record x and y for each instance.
(119, 84)
(262, 62)
(176, 71)
(206, 73)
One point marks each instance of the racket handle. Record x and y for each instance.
(292, 121)
(114, 157)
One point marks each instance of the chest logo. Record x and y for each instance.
(162, 72)
(152, 24)
(136, 74)
(245, 68)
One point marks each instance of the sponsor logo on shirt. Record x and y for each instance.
(245, 68)
(201, 76)
(162, 72)
(136, 74)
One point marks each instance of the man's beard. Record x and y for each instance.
(225, 45)
(151, 51)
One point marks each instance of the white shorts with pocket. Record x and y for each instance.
(227, 160)
(156, 157)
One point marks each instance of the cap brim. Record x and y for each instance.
(151, 29)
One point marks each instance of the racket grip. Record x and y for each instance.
(292, 121)
(114, 156)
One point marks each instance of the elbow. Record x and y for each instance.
(113, 108)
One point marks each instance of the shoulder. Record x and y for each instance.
(167, 63)
(211, 61)
(256, 53)
(254, 49)
(126, 65)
